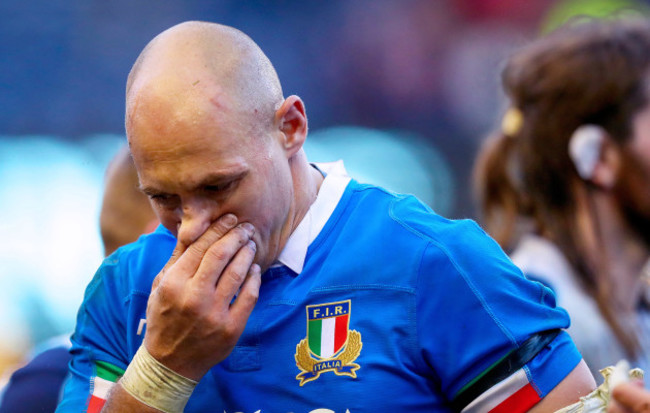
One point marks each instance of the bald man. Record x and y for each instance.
(125, 215)
(275, 285)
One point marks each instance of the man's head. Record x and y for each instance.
(211, 133)
(126, 213)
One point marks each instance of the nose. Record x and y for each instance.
(195, 220)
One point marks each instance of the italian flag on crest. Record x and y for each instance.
(106, 376)
(327, 328)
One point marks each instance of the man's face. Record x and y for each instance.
(198, 163)
(633, 185)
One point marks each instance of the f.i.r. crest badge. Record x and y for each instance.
(330, 345)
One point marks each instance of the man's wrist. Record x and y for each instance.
(156, 385)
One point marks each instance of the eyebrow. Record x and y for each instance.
(210, 179)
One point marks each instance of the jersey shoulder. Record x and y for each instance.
(405, 222)
(133, 267)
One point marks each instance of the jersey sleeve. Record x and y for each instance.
(99, 342)
(111, 320)
(494, 339)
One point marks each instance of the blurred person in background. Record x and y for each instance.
(565, 183)
(125, 215)
(126, 212)
(275, 284)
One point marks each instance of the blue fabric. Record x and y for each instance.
(435, 303)
(36, 387)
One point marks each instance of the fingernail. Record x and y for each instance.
(252, 245)
(248, 228)
(229, 220)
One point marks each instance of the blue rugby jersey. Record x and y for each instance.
(396, 310)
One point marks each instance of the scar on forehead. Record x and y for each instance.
(215, 101)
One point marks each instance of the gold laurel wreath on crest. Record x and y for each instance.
(303, 360)
(352, 350)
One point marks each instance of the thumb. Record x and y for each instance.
(176, 254)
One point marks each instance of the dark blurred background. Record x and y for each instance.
(403, 90)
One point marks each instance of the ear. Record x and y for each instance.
(585, 148)
(595, 156)
(292, 122)
(607, 168)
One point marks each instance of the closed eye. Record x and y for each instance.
(221, 187)
(164, 200)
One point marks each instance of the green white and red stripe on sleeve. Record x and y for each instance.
(513, 394)
(506, 386)
(106, 375)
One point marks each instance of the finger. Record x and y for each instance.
(218, 256)
(632, 397)
(234, 275)
(179, 249)
(614, 407)
(243, 306)
(191, 257)
(158, 278)
(161, 275)
(196, 250)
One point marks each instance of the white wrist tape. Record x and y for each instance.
(156, 385)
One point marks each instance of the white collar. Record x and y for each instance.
(295, 251)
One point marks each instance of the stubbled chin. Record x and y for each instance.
(267, 252)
